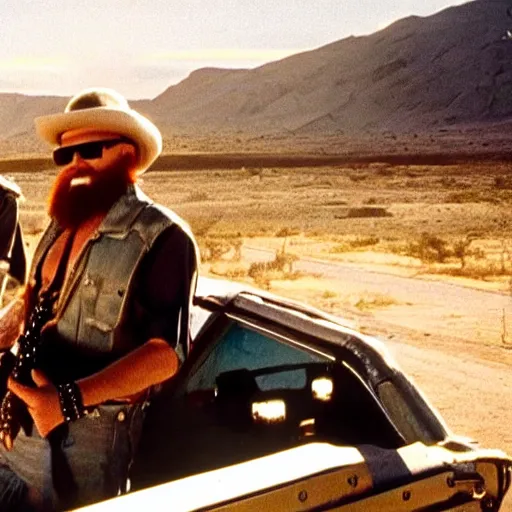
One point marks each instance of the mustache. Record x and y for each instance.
(76, 173)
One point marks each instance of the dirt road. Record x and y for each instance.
(475, 316)
(446, 337)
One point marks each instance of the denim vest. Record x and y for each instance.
(93, 303)
(91, 312)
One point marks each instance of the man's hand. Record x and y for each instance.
(42, 401)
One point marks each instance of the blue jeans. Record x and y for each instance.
(80, 463)
(14, 495)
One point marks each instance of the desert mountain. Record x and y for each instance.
(454, 67)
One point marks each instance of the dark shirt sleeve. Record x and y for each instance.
(164, 282)
(8, 221)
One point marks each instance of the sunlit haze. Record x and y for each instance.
(141, 48)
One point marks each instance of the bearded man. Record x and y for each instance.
(106, 312)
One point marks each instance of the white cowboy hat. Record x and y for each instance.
(104, 109)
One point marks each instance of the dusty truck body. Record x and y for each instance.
(280, 406)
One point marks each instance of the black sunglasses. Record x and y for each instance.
(87, 150)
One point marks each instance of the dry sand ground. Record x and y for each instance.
(308, 212)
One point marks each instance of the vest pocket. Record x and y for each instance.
(95, 311)
(99, 309)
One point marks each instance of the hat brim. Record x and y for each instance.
(130, 124)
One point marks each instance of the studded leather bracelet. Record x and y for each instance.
(71, 402)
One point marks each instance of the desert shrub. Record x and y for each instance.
(375, 301)
(481, 272)
(237, 244)
(336, 202)
(468, 196)
(429, 248)
(197, 196)
(385, 172)
(213, 249)
(358, 243)
(235, 273)
(254, 171)
(283, 261)
(462, 250)
(259, 273)
(317, 232)
(217, 248)
(281, 267)
(368, 211)
(400, 248)
(357, 177)
(286, 231)
(329, 294)
(293, 276)
(257, 231)
(339, 248)
(364, 242)
(257, 268)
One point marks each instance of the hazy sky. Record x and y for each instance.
(140, 47)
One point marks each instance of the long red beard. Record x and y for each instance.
(72, 205)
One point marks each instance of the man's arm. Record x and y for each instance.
(163, 291)
(150, 364)
(164, 287)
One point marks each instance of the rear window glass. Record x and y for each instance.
(243, 348)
